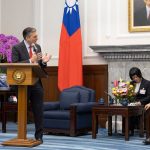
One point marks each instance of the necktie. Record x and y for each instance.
(30, 51)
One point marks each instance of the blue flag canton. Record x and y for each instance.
(71, 19)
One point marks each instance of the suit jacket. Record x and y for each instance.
(143, 95)
(140, 18)
(20, 53)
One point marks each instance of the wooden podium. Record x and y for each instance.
(22, 74)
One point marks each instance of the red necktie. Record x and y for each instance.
(30, 51)
(148, 16)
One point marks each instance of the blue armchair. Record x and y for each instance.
(72, 114)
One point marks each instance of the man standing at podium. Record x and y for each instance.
(28, 51)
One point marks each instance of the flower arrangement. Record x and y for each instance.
(6, 44)
(123, 89)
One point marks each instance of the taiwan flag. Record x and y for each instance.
(70, 48)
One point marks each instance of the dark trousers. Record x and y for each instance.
(134, 123)
(35, 95)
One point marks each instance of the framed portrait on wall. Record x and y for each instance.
(139, 15)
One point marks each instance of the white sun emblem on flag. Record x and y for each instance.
(71, 4)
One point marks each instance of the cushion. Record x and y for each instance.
(84, 94)
(55, 114)
(67, 98)
(92, 93)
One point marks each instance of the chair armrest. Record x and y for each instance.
(51, 106)
(83, 107)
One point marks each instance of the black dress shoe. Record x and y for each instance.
(147, 141)
(40, 139)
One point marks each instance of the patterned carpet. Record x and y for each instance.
(55, 142)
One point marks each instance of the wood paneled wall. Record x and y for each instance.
(51, 92)
(94, 77)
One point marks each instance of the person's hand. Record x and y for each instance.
(39, 56)
(147, 106)
(46, 58)
(34, 58)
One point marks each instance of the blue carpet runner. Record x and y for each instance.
(56, 142)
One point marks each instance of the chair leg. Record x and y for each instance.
(4, 125)
(15, 117)
(147, 116)
(123, 125)
(73, 121)
(4, 116)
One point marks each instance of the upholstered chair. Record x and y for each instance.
(72, 114)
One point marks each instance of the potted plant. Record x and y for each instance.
(6, 44)
(123, 92)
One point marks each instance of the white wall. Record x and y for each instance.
(103, 22)
(15, 16)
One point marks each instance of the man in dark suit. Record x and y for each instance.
(28, 51)
(142, 16)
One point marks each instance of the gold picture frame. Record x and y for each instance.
(137, 17)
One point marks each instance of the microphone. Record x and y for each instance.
(35, 49)
(39, 54)
(111, 100)
(107, 93)
(132, 82)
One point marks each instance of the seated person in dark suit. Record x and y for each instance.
(142, 86)
(142, 16)
(142, 92)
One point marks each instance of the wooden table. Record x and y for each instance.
(111, 110)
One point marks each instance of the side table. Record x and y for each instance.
(124, 111)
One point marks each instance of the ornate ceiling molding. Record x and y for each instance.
(124, 52)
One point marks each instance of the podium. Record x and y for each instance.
(22, 75)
